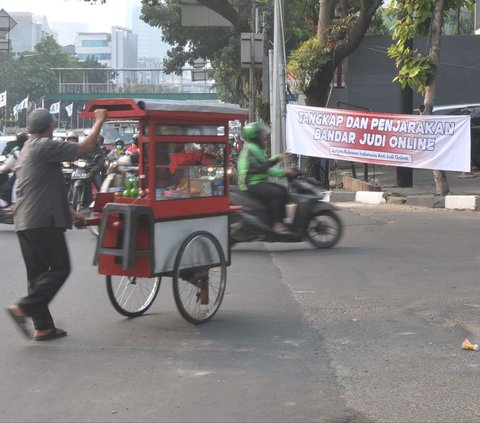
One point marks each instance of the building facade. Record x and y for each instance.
(94, 44)
(369, 75)
(124, 48)
(29, 31)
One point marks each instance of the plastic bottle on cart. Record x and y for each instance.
(134, 189)
(141, 186)
(128, 186)
(206, 188)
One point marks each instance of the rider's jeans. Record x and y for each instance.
(273, 195)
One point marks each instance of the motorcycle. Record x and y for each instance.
(6, 184)
(5, 199)
(67, 170)
(6, 217)
(80, 194)
(313, 219)
(117, 174)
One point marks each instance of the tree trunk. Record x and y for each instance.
(317, 91)
(439, 176)
(325, 18)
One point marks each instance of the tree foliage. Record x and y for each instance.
(415, 68)
(340, 29)
(32, 73)
(413, 18)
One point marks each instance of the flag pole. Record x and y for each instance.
(5, 114)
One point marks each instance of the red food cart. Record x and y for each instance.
(174, 220)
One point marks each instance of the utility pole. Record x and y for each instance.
(251, 110)
(279, 100)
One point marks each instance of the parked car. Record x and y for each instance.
(472, 109)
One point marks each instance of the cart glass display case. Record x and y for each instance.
(187, 170)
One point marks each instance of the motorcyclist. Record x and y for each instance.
(71, 137)
(9, 184)
(97, 159)
(254, 169)
(132, 150)
(117, 151)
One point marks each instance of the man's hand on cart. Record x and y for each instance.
(79, 220)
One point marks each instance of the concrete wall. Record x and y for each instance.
(370, 72)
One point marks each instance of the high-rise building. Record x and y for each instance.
(150, 44)
(124, 52)
(124, 48)
(28, 32)
(94, 44)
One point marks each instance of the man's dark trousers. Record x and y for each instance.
(47, 262)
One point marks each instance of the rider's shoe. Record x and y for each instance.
(281, 228)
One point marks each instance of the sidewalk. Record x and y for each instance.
(465, 189)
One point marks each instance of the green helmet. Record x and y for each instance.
(252, 130)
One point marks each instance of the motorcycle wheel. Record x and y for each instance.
(324, 229)
(93, 230)
(77, 197)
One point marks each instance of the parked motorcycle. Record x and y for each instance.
(313, 219)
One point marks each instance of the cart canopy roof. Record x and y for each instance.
(136, 108)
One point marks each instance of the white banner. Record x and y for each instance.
(16, 109)
(23, 104)
(426, 142)
(55, 108)
(3, 99)
(69, 109)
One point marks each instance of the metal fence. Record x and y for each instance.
(132, 80)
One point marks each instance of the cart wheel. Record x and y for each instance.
(198, 288)
(131, 295)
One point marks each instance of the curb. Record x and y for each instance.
(452, 202)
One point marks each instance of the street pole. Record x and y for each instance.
(251, 111)
(278, 82)
(5, 114)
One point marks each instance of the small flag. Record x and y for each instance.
(69, 109)
(55, 108)
(3, 99)
(16, 109)
(23, 104)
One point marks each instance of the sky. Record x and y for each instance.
(98, 17)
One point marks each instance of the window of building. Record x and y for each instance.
(98, 56)
(94, 43)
